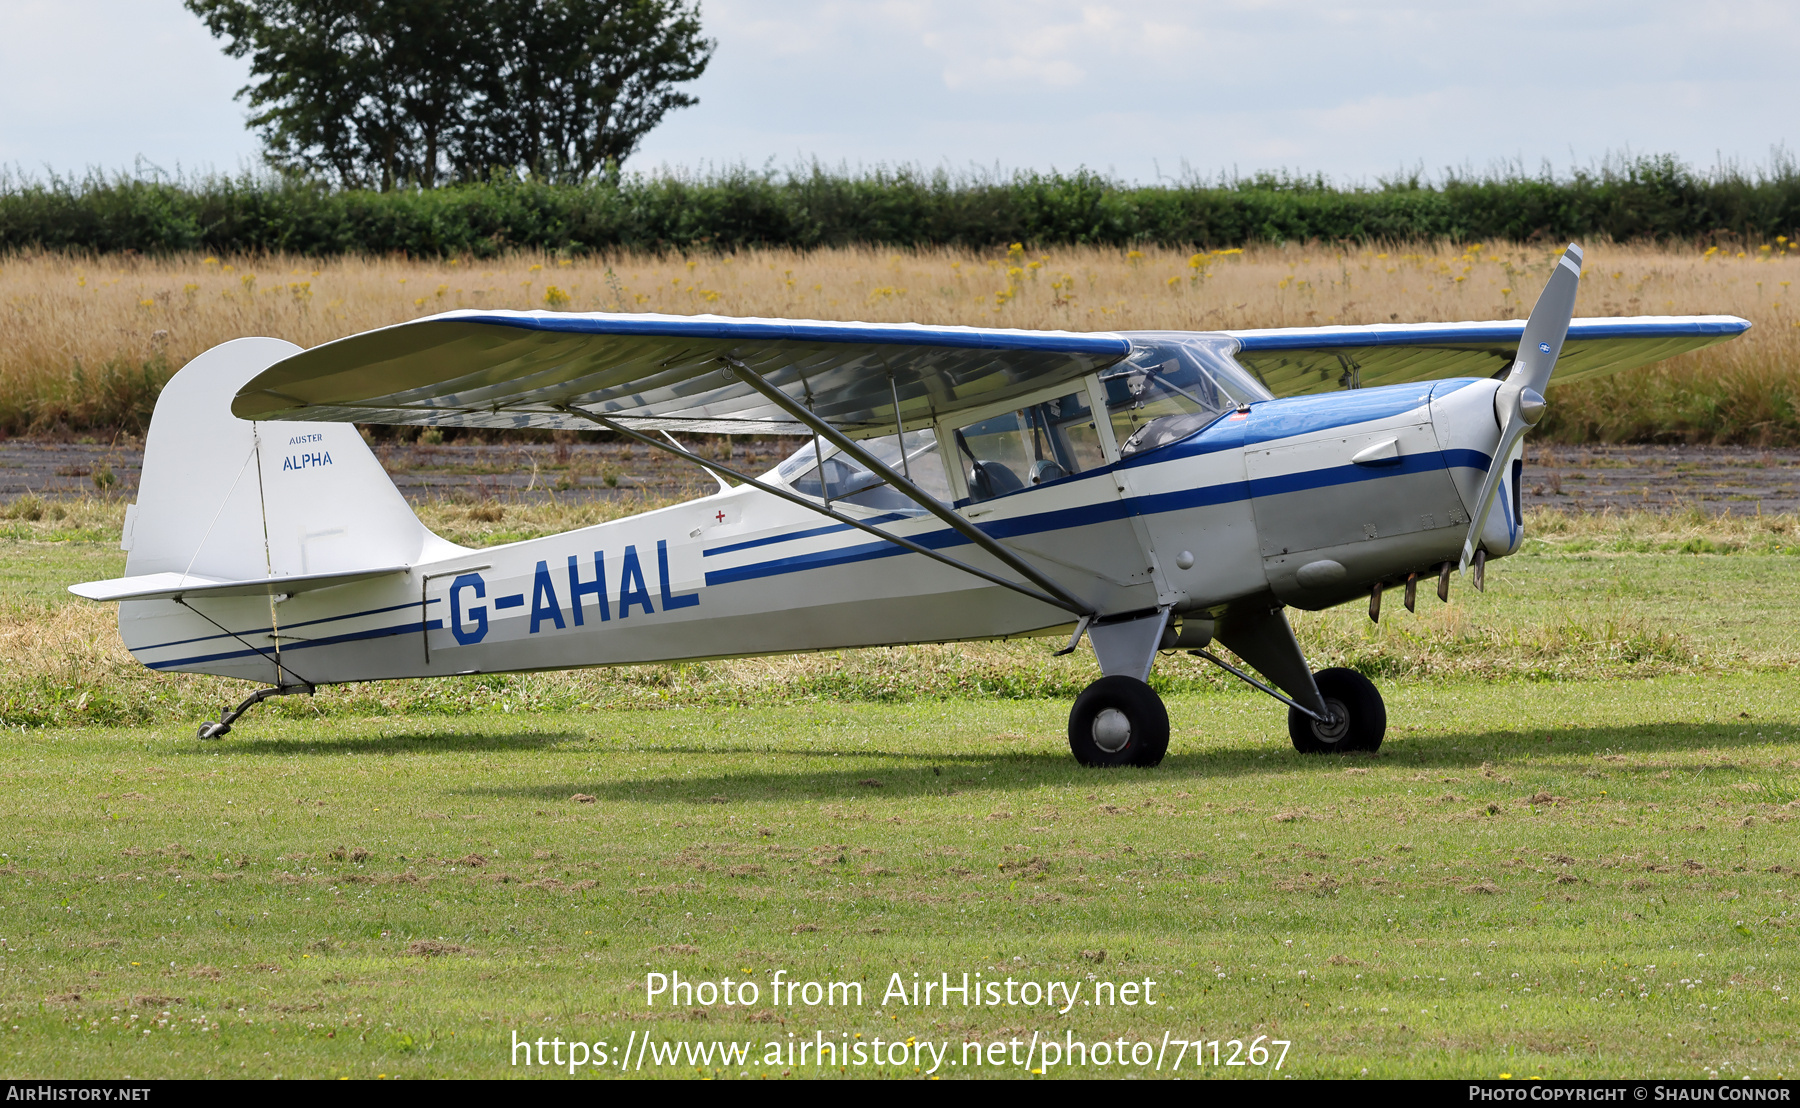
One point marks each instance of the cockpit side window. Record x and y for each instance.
(1032, 446)
(848, 481)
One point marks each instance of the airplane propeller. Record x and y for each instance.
(1519, 404)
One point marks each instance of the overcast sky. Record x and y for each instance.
(1355, 90)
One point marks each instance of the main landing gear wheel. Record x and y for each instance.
(1358, 717)
(1118, 721)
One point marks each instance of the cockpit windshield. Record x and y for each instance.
(1173, 384)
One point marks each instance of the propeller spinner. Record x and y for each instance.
(1519, 404)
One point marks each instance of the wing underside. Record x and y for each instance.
(1296, 360)
(543, 369)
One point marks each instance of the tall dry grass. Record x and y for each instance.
(86, 342)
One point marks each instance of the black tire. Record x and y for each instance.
(1135, 733)
(1360, 716)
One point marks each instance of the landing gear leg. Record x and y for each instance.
(1119, 720)
(219, 728)
(1334, 710)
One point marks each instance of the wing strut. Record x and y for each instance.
(839, 517)
(918, 496)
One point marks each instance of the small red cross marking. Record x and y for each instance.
(720, 517)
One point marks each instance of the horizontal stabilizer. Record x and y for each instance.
(175, 586)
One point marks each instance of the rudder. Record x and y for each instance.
(228, 498)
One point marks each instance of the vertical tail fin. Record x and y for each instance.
(223, 497)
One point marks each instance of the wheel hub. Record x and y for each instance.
(1336, 727)
(1112, 730)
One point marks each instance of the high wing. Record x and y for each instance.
(503, 369)
(1296, 360)
(658, 372)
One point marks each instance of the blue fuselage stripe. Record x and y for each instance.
(1152, 504)
(1467, 459)
(291, 626)
(1344, 475)
(807, 534)
(353, 636)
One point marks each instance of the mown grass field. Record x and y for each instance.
(1574, 856)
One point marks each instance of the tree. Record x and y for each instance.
(388, 93)
(574, 84)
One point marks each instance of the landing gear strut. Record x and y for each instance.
(1120, 721)
(219, 728)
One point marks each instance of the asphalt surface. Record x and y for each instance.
(1717, 479)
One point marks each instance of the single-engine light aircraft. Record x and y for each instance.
(1150, 491)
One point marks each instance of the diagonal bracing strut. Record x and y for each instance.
(849, 446)
(1058, 600)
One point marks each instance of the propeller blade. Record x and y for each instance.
(1520, 401)
(1542, 342)
(1490, 486)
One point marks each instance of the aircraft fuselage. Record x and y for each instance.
(1310, 500)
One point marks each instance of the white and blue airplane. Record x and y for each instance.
(1150, 491)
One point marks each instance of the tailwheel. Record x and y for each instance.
(1358, 718)
(1119, 721)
